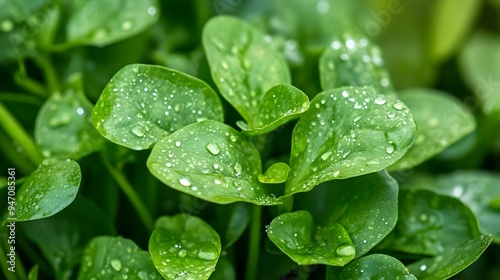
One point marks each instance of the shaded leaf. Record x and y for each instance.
(116, 258)
(376, 266)
(275, 174)
(451, 261)
(441, 119)
(185, 247)
(239, 220)
(348, 132)
(295, 234)
(224, 270)
(212, 161)
(144, 103)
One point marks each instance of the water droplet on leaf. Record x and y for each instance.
(185, 182)
(213, 148)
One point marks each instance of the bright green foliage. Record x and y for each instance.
(275, 174)
(441, 120)
(376, 266)
(348, 132)
(143, 103)
(116, 258)
(295, 234)
(184, 247)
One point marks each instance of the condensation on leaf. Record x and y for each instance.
(376, 266)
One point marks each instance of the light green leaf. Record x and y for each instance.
(144, 103)
(348, 132)
(212, 161)
(376, 266)
(295, 234)
(64, 125)
(100, 23)
(116, 258)
(479, 62)
(275, 174)
(48, 190)
(244, 65)
(430, 224)
(451, 261)
(441, 119)
(352, 60)
(184, 247)
(279, 105)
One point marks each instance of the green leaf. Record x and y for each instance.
(279, 105)
(441, 119)
(184, 247)
(212, 161)
(100, 23)
(244, 65)
(239, 220)
(64, 125)
(224, 270)
(295, 235)
(352, 60)
(479, 62)
(348, 132)
(376, 266)
(275, 174)
(116, 258)
(430, 224)
(48, 190)
(144, 103)
(33, 273)
(451, 261)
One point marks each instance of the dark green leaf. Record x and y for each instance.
(275, 174)
(295, 234)
(348, 132)
(33, 274)
(99, 23)
(238, 221)
(279, 104)
(184, 247)
(144, 103)
(376, 266)
(451, 261)
(224, 270)
(441, 119)
(116, 258)
(244, 65)
(212, 161)
(64, 125)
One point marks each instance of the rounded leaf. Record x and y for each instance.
(376, 266)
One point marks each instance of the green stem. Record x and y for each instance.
(29, 84)
(19, 274)
(254, 243)
(131, 194)
(17, 132)
(21, 163)
(45, 62)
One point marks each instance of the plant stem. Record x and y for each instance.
(21, 163)
(17, 132)
(129, 191)
(254, 243)
(45, 62)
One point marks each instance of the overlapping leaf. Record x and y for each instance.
(376, 266)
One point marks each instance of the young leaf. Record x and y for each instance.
(376, 266)
(275, 174)
(441, 119)
(63, 126)
(48, 190)
(144, 103)
(100, 23)
(348, 132)
(184, 247)
(451, 261)
(295, 234)
(212, 161)
(430, 224)
(116, 258)
(279, 105)
(244, 65)
(352, 60)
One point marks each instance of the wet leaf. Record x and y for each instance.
(275, 174)
(116, 258)
(212, 161)
(295, 234)
(376, 266)
(99, 23)
(451, 261)
(348, 132)
(48, 190)
(279, 105)
(64, 125)
(144, 103)
(184, 247)
(441, 119)
(244, 65)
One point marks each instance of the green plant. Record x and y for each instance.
(181, 170)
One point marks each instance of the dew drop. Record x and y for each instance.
(139, 131)
(232, 138)
(213, 148)
(336, 45)
(152, 11)
(237, 168)
(116, 264)
(398, 105)
(208, 255)
(345, 93)
(326, 155)
(182, 253)
(185, 182)
(224, 65)
(80, 111)
(217, 182)
(345, 251)
(178, 143)
(391, 115)
(423, 267)
(336, 173)
(389, 149)
(216, 166)
(380, 101)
